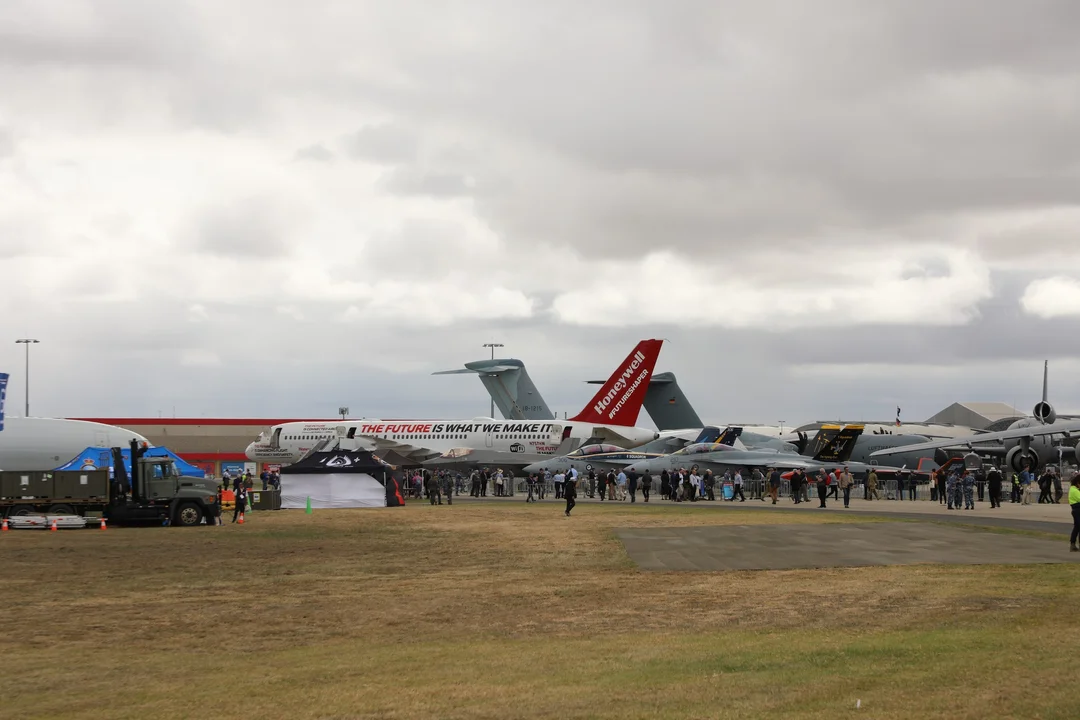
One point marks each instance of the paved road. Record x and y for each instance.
(1038, 518)
(783, 547)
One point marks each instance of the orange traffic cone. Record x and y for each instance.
(5, 527)
(241, 520)
(53, 527)
(102, 523)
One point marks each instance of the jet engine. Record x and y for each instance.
(1018, 457)
(1044, 413)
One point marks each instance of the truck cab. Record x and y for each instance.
(156, 492)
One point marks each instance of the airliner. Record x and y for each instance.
(47, 443)
(608, 417)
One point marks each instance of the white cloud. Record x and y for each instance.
(1052, 297)
(833, 289)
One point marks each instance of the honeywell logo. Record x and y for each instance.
(623, 385)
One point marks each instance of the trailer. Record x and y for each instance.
(154, 493)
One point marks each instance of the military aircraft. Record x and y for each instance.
(611, 457)
(834, 453)
(1028, 442)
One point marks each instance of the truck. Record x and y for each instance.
(154, 493)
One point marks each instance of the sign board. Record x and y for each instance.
(233, 468)
(271, 467)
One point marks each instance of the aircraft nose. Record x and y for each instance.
(250, 452)
(533, 468)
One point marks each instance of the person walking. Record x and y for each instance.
(846, 481)
(709, 483)
(1074, 506)
(631, 486)
(646, 485)
(736, 487)
(241, 502)
(871, 486)
(570, 493)
(774, 485)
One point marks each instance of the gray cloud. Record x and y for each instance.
(401, 181)
(316, 153)
(387, 143)
(252, 227)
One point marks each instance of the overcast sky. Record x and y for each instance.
(271, 209)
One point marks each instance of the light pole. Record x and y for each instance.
(493, 346)
(27, 342)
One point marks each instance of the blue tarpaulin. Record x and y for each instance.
(95, 458)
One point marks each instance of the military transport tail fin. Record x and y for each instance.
(842, 445)
(619, 401)
(510, 387)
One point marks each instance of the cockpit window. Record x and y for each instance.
(595, 450)
(698, 448)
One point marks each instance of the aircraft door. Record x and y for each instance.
(489, 439)
(275, 439)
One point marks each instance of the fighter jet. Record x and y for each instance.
(718, 458)
(612, 457)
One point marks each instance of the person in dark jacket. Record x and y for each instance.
(993, 483)
(570, 493)
(665, 485)
(646, 485)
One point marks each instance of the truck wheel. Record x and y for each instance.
(61, 509)
(188, 515)
(22, 510)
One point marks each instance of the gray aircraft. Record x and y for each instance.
(834, 453)
(1029, 442)
(611, 457)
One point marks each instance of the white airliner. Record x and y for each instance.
(610, 416)
(48, 443)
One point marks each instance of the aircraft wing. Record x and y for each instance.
(777, 461)
(975, 442)
(411, 451)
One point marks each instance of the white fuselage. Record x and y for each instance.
(288, 442)
(48, 443)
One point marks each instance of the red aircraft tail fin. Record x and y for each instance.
(619, 400)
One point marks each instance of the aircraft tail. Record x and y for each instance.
(667, 404)
(510, 387)
(620, 399)
(713, 434)
(824, 436)
(841, 446)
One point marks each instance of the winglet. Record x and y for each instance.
(619, 401)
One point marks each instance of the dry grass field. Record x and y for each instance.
(499, 610)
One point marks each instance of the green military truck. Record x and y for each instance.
(155, 493)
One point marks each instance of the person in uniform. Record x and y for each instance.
(448, 487)
(431, 485)
(968, 481)
(871, 486)
(570, 492)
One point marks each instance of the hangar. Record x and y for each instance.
(978, 415)
(208, 443)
